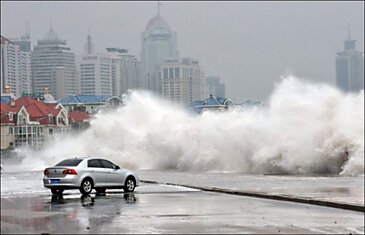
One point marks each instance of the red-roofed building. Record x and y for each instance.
(30, 122)
(78, 119)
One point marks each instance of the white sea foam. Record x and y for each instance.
(304, 129)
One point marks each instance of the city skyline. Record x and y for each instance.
(290, 31)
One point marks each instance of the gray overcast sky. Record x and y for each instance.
(248, 44)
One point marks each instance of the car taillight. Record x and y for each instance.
(46, 172)
(69, 172)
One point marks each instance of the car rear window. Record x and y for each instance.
(94, 163)
(69, 162)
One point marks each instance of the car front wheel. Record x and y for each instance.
(130, 184)
(86, 186)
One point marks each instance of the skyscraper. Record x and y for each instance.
(182, 80)
(159, 42)
(24, 40)
(215, 87)
(53, 67)
(95, 72)
(127, 71)
(96, 75)
(15, 68)
(350, 67)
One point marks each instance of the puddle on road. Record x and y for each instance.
(341, 190)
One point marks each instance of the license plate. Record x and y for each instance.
(55, 181)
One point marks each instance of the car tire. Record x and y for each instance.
(86, 186)
(56, 191)
(130, 184)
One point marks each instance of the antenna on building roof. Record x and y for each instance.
(27, 29)
(89, 46)
(51, 24)
(158, 7)
(349, 32)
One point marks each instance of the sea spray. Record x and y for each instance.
(304, 128)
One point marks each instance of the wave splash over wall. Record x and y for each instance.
(304, 129)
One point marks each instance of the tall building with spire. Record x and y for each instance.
(95, 72)
(159, 42)
(53, 66)
(89, 46)
(350, 67)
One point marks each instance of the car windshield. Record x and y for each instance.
(69, 162)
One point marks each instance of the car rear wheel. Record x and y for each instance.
(130, 184)
(86, 186)
(56, 191)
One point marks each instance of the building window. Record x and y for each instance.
(21, 119)
(171, 73)
(177, 72)
(10, 116)
(60, 121)
(165, 73)
(50, 131)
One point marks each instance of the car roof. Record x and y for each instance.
(86, 158)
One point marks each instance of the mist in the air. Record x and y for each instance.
(304, 129)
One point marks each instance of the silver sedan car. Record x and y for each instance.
(87, 174)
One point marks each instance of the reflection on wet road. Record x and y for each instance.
(169, 209)
(28, 207)
(62, 214)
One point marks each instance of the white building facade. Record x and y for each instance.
(110, 73)
(159, 42)
(350, 67)
(96, 75)
(95, 72)
(126, 71)
(182, 81)
(15, 68)
(53, 67)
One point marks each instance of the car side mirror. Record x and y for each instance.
(117, 167)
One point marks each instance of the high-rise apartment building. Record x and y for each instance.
(127, 71)
(95, 76)
(15, 68)
(182, 80)
(53, 67)
(25, 72)
(23, 42)
(215, 87)
(350, 67)
(159, 42)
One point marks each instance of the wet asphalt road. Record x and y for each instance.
(164, 209)
(26, 207)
